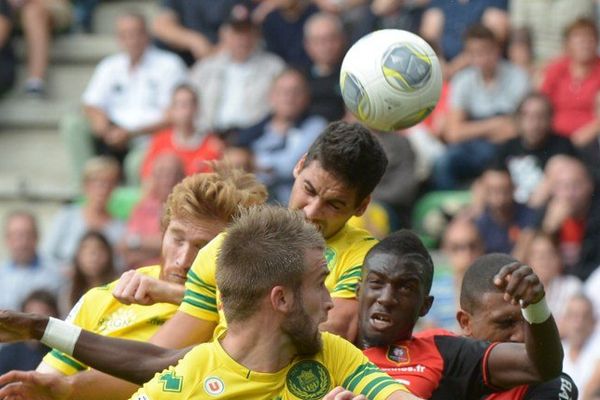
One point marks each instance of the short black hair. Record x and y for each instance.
(536, 96)
(481, 32)
(42, 296)
(352, 154)
(479, 279)
(407, 246)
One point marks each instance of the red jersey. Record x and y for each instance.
(437, 364)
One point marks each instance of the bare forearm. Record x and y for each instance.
(95, 385)
(133, 361)
(98, 120)
(167, 29)
(492, 128)
(544, 348)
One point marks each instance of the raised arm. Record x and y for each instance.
(540, 357)
(136, 362)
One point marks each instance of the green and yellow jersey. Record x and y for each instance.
(98, 311)
(207, 371)
(345, 253)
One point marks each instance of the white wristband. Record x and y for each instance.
(61, 335)
(537, 313)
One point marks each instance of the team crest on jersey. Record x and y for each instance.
(330, 257)
(398, 354)
(213, 385)
(308, 380)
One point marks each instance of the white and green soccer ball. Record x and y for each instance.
(391, 79)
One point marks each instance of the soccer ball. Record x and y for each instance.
(390, 79)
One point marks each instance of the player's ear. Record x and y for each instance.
(281, 299)
(299, 166)
(426, 306)
(362, 207)
(464, 320)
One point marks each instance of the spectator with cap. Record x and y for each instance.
(279, 141)
(190, 28)
(24, 270)
(234, 83)
(324, 41)
(125, 101)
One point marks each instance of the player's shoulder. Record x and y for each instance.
(351, 237)
(431, 333)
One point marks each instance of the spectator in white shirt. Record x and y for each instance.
(234, 84)
(125, 100)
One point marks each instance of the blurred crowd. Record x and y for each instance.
(511, 154)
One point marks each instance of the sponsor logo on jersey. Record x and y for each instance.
(213, 385)
(142, 397)
(171, 382)
(398, 354)
(308, 380)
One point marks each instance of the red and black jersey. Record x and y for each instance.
(561, 388)
(437, 364)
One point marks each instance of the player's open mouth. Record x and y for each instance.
(380, 321)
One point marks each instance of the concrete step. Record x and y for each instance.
(75, 48)
(26, 113)
(106, 14)
(33, 165)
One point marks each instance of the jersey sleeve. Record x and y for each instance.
(561, 388)
(465, 365)
(177, 382)
(353, 371)
(79, 315)
(350, 273)
(200, 299)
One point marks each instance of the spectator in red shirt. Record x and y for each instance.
(143, 236)
(194, 147)
(572, 81)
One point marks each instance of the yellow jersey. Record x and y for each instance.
(98, 311)
(207, 371)
(345, 253)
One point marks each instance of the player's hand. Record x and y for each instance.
(117, 137)
(137, 288)
(33, 385)
(16, 326)
(519, 284)
(339, 393)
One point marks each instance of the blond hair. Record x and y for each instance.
(215, 195)
(264, 247)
